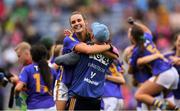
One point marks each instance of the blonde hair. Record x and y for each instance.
(23, 46)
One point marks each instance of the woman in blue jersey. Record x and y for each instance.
(112, 98)
(174, 58)
(76, 42)
(89, 74)
(139, 75)
(165, 77)
(37, 79)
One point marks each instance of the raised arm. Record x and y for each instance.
(131, 21)
(145, 29)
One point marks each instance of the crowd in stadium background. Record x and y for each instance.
(36, 20)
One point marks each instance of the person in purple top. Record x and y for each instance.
(174, 58)
(36, 79)
(165, 77)
(112, 97)
(77, 42)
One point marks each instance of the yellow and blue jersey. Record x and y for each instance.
(141, 74)
(158, 66)
(112, 89)
(68, 44)
(37, 91)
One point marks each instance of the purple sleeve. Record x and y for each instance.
(23, 76)
(148, 36)
(69, 43)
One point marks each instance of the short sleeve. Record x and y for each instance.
(148, 36)
(69, 43)
(23, 76)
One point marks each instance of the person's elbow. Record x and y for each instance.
(19, 86)
(140, 62)
(18, 89)
(123, 81)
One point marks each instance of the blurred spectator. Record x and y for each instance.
(34, 20)
(175, 17)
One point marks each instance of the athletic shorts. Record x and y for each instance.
(60, 91)
(168, 79)
(113, 104)
(83, 103)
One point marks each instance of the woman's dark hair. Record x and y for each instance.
(39, 55)
(138, 35)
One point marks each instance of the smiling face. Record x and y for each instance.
(78, 23)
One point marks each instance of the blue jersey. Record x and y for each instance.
(112, 89)
(177, 91)
(38, 96)
(158, 66)
(89, 76)
(68, 44)
(141, 74)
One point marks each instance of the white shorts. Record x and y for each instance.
(112, 104)
(44, 109)
(60, 91)
(168, 79)
(177, 102)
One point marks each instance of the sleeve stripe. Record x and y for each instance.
(72, 37)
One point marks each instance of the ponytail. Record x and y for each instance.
(45, 72)
(39, 55)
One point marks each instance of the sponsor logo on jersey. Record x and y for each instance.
(91, 81)
(100, 58)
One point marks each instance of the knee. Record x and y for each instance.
(138, 95)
